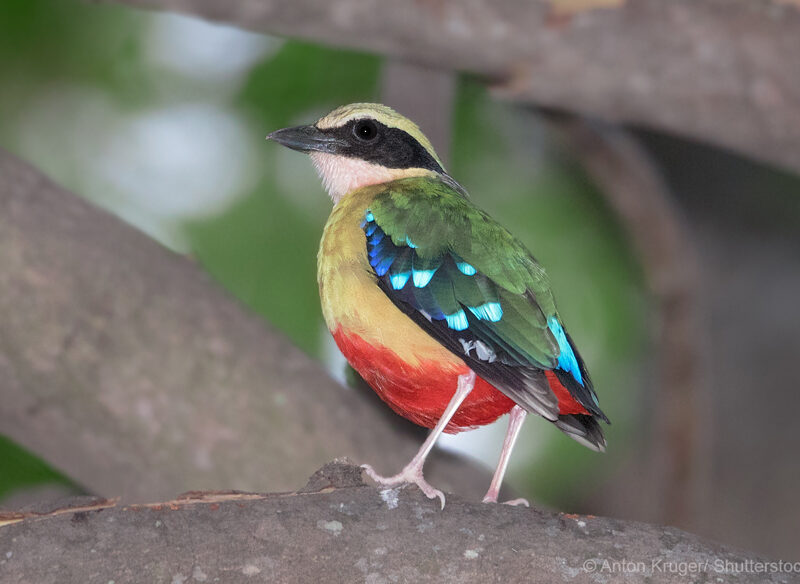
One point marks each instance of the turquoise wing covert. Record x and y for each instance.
(474, 287)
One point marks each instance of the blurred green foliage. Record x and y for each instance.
(46, 42)
(262, 247)
(21, 469)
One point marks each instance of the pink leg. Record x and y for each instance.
(412, 473)
(514, 426)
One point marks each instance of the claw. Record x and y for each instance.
(492, 498)
(409, 475)
(431, 492)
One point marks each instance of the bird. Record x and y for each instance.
(439, 308)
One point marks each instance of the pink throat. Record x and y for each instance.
(341, 174)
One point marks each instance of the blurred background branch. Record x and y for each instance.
(718, 71)
(677, 458)
(432, 109)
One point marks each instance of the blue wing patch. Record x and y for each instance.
(491, 311)
(399, 280)
(566, 356)
(457, 321)
(466, 269)
(422, 277)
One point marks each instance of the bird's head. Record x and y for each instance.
(363, 144)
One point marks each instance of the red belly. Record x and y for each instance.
(421, 392)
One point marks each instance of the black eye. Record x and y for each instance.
(365, 130)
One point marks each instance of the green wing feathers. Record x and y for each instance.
(447, 232)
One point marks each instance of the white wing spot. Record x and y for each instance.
(484, 352)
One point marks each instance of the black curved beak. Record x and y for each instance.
(306, 139)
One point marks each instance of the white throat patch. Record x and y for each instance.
(342, 174)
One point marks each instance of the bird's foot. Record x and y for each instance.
(517, 502)
(412, 474)
(492, 498)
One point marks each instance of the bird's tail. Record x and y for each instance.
(584, 429)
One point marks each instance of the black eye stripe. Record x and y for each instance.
(391, 147)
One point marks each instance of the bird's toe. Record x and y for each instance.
(431, 492)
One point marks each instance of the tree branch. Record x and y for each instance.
(719, 71)
(125, 367)
(337, 529)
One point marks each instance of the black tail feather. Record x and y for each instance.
(583, 429)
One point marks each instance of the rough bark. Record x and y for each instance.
(338, 530)
(125, 367)
(720, 71)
